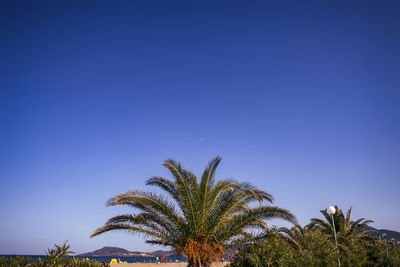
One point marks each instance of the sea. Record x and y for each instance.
(173, 258)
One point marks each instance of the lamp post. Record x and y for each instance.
(331, 210)
(387, 252)
(394, 248)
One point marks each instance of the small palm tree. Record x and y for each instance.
(59, 253)
(296, 233)
(345, 228)
(198, 219)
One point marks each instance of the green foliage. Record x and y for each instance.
(25, 261)
(313, 249)
(346, 229)
(22, 261)
(15, 261)
(79, 262)
(381, 254)
(197, 218)
(274, 250)
(58, 256)
(317, 249)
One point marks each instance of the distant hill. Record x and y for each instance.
(160, 253)
(120, 252)
(389, 233)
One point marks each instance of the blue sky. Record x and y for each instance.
(300, 99)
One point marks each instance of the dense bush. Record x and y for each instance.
(20, 261)
(317, 249)
(15, 261)
(272, 251)
(380, 254)
(58, 256)
(315, 245)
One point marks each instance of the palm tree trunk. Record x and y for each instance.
(205, 264)
(191, 263)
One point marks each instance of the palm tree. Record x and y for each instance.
(296, 233)
(58, 254)
(345, 228)
(197, 219)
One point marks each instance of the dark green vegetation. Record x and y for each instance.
(345, 228)
(58, 256)
(314, 245)
(199, 219)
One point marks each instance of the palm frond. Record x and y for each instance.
(235, 224)
(207, 184)
(123, 227)
(184, 182)
(149, 202)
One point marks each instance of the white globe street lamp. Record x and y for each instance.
(331, 210)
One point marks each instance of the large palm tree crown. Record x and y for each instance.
(197, 218)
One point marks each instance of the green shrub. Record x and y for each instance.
(381, 254)
(56, 257)
(315, 249)
(273, 251)
(15, 261)
(20, 261)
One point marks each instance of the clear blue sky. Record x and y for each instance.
(299, 98)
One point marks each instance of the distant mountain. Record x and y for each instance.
(389, 233)
(120, 252)
(161, 253)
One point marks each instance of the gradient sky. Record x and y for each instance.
(300, 98)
